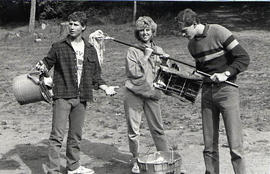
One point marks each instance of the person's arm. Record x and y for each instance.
(47, 62)
(98, 82)
(239, 57)
(135, 69)
(51, 57)
(136, 66)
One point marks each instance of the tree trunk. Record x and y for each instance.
(134, 12)
(32, 16)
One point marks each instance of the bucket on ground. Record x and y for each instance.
(161, 162)
(30, 88)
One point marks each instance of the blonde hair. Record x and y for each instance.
(145, 22)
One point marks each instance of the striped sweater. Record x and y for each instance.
(217, 50)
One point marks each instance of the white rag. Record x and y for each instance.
(97, 40)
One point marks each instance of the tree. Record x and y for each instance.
(134, 11)
(32, 16)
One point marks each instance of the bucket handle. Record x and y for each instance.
(35, 77)
(32, 75)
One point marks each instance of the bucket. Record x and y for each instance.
(161, 162)
(29, 88)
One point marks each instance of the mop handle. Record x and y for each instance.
(184, 63)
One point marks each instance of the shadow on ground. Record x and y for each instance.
(25, 156)
(116, 162)
(105, 159)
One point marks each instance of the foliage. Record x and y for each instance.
(120, 12)
(120, 15)
(254, 13)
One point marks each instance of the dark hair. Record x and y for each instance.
(187, 17)
(78, 16)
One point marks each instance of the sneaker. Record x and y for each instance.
(135, 168)
(81, 170)
(183, 171)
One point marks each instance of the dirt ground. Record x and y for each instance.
(24, 129)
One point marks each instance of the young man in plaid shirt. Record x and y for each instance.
(76, 73)
(218, 53)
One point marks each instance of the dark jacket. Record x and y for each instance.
(62, 57)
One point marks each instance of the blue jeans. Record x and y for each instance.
(135, 106)
(224, 99)
(73, 112)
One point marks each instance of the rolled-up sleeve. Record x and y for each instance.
(97, 80)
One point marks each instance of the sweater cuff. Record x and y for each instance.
(232, 70)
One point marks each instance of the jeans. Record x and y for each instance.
(73, 112)
(224, 99)
(135, 106)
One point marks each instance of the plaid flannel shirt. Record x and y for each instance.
(62, 57)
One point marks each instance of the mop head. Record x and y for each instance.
(97, 40)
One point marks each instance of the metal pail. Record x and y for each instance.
(161, 162)
(28, 88)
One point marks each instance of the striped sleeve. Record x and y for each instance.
(225, 37)
(239, 58)
(230, 43)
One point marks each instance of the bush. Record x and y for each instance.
(119, 15)
(254, 13)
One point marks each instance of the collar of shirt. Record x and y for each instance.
(68, 41)
(204, 34)
(143, 45)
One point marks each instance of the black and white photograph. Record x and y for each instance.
(134, 87)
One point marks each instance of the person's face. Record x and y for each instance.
(188, 31)
(75, 28)
(146, 34)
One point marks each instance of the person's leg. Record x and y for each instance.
(133, 111)
(76, 122)
(210, 124)
(229, 105)
(61, 110)
(155, 123)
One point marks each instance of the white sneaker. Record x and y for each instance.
(135, 168)
(81, 170)
(183, 171)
